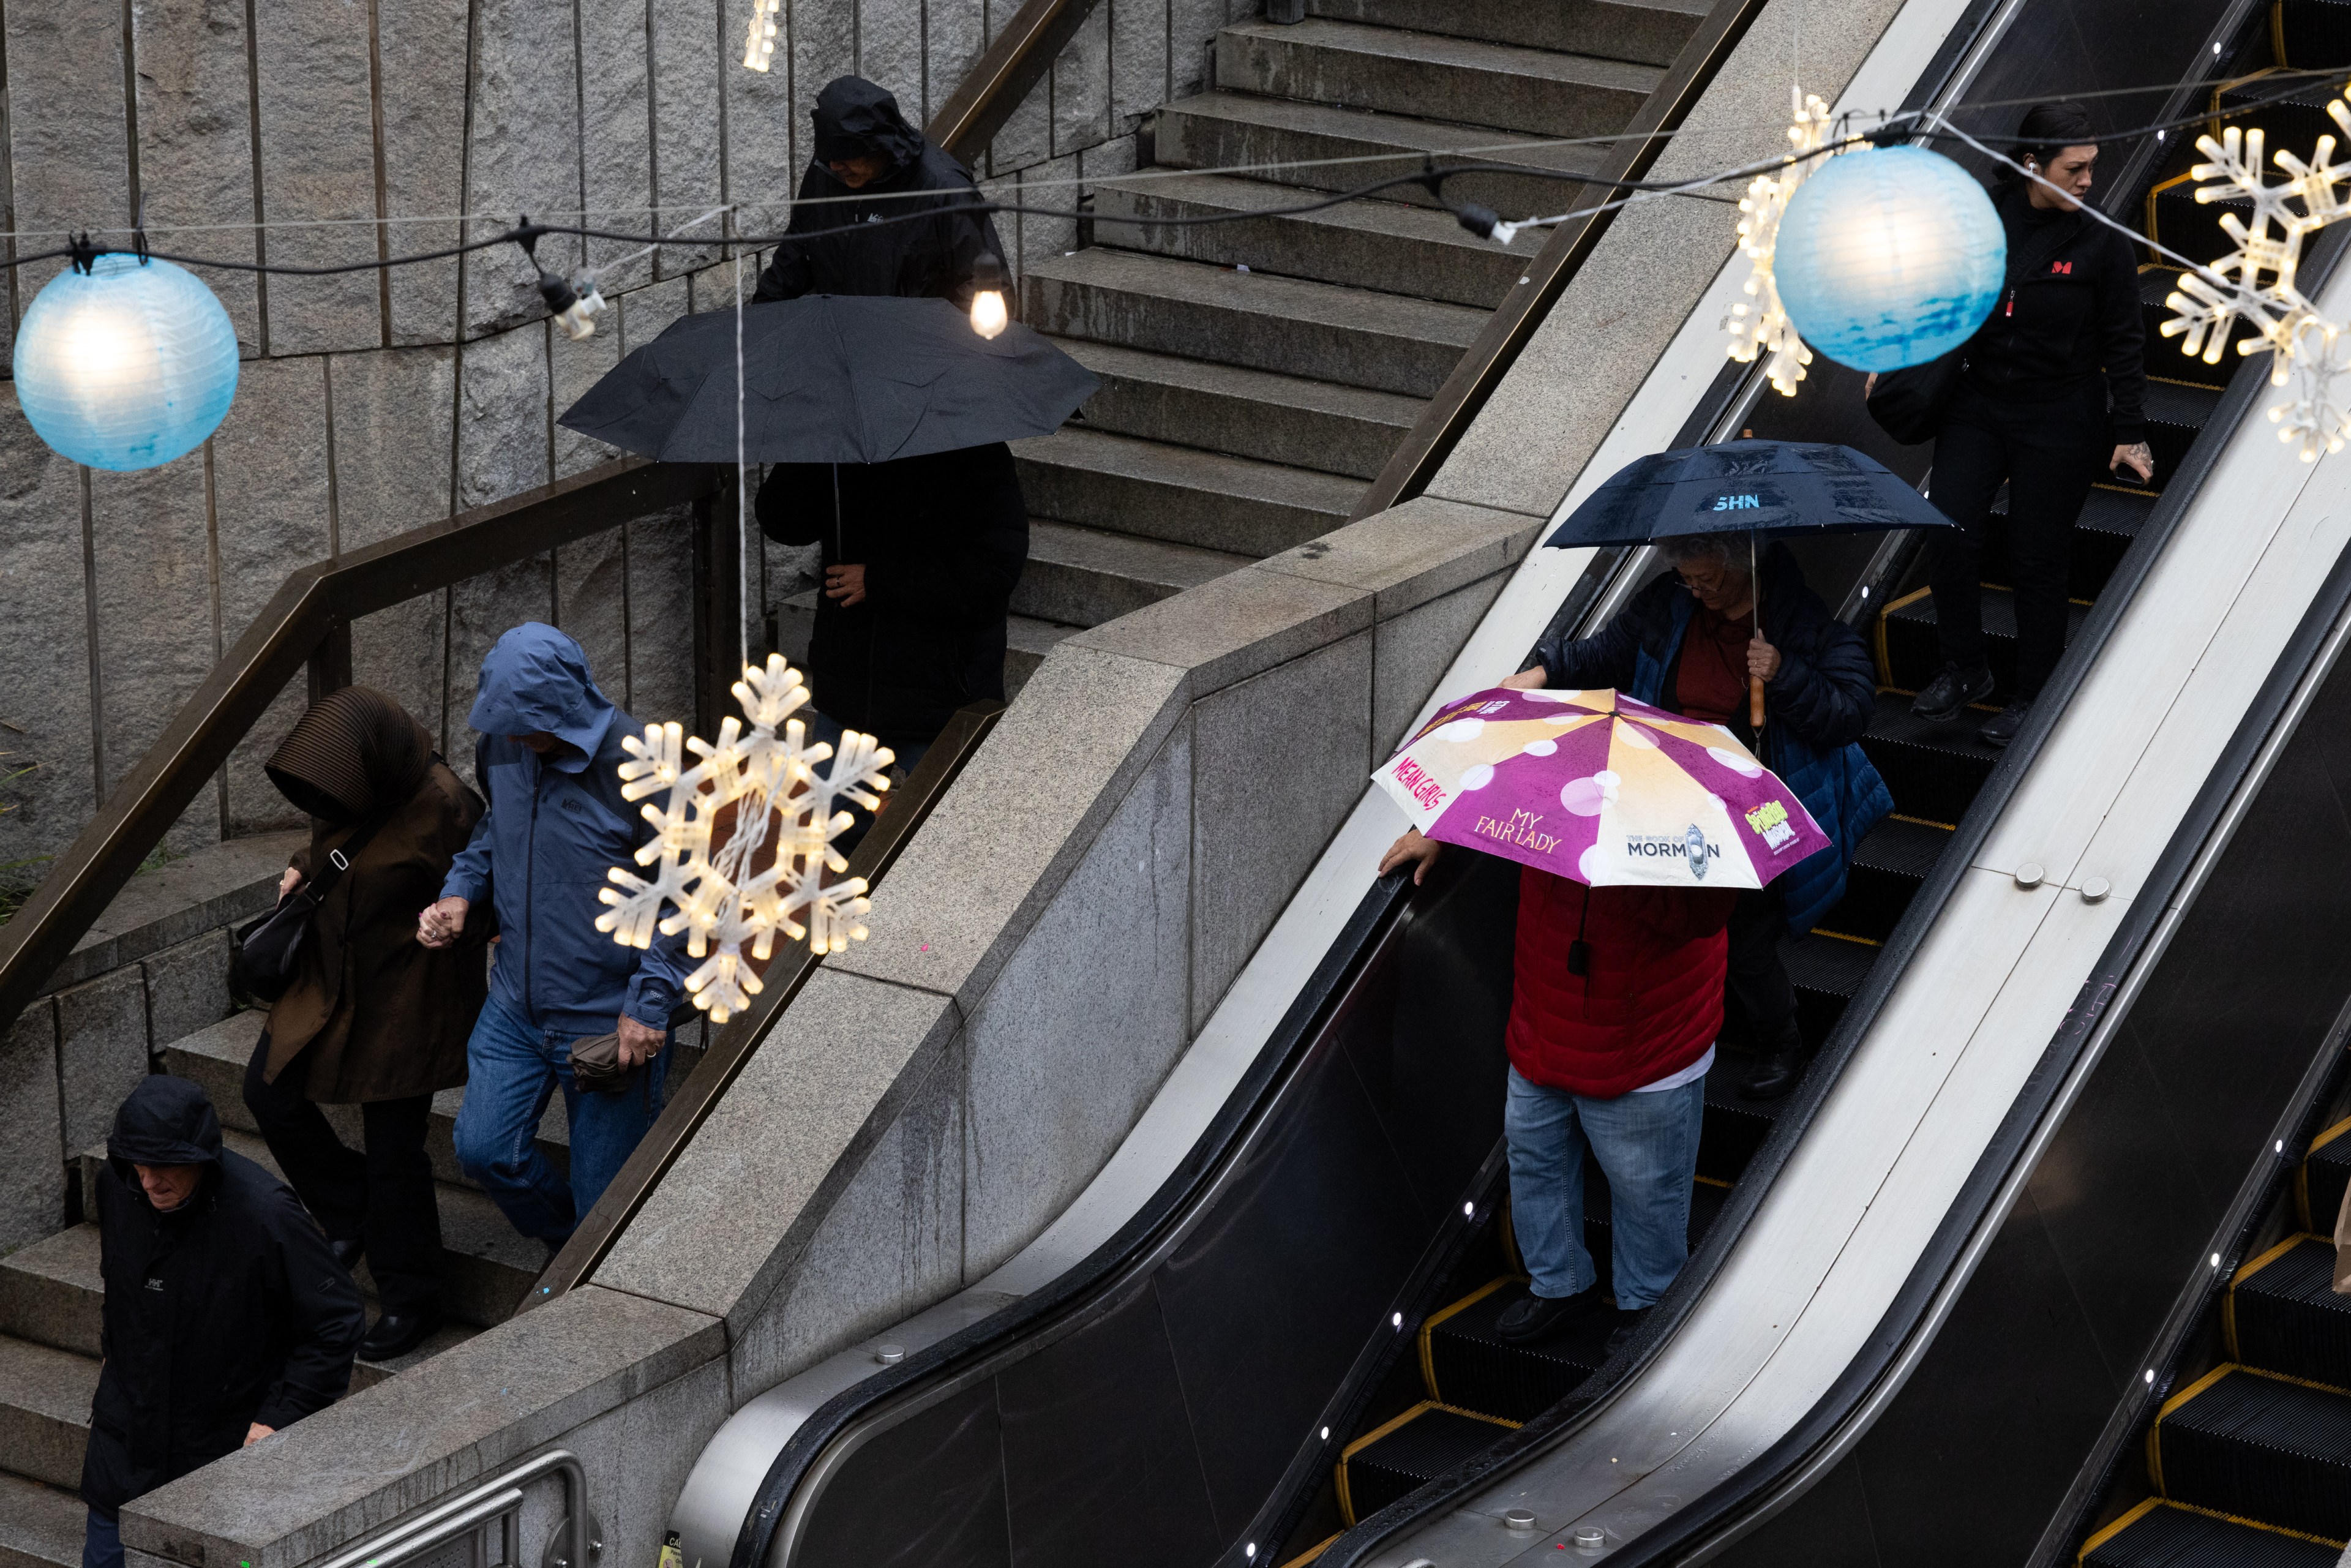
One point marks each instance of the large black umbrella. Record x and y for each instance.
(1747, 487)
(831, 378)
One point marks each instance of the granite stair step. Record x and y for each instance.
(45, 1396)
(1391, 246)
(215, 1058)
(1242, 413)
(487, 1264)
(1292, 325)
(40, 1526)
(1226, 129)
(1648, 32)
(1083, 577)
(1178, 494)
(1539, 91)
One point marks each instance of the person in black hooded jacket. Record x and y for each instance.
(870, 165)
(2053, 391)
(225, 1316)
(920, 555)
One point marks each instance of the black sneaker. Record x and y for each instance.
(1628, 1324)
(1538, 1317)
(1952, 689)
(2001, 728)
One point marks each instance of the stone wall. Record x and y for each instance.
(372, 403)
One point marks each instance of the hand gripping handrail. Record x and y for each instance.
(499, 1501)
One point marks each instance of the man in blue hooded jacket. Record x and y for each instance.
(548, 760)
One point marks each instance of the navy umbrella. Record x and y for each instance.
(1776, 487)
(831, 378)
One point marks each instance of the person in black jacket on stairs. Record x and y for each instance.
(2054, 388)
(225, 1314)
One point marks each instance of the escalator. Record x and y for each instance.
(1264, 1336)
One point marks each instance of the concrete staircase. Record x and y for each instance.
(1257, 373)
(50, 1292)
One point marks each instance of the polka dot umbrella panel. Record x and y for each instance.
(1601, 789)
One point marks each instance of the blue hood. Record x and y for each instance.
(536, 681)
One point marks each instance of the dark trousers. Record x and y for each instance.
(384, 1196)
(1758, 982)
(2048, 454)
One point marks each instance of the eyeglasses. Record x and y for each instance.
(1703, 585)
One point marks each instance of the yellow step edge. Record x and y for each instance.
(2250, 1524)
(2302, 1178)
(2155, 1427)
(1311, 1553)
(1346, 1500)
(2137, 1512)
(1427, 1356)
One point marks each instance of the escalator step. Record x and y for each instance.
(2312, 34)
(1933, 770)
(1912, 654)
(1465, 1365)
(1827, 971)
(2260, 1447)
(2159, 1534)
(1390, 1461)
(1887, 869)
(2325, 1171)
(2286, 1317)
(2176, 414)
(1735, 1127)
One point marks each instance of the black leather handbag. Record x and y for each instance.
(1910, 404)
(265, 953)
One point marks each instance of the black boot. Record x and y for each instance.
(1775, 1073)
(397, 1333)
(1540, 1317)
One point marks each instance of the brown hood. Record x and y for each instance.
(357, 754)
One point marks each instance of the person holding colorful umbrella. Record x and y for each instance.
(1637, 829)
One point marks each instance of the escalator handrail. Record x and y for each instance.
(1561, 1423)
(1975, 1216)
(2281, 1158)
(1379, 906)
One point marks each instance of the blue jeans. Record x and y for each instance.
(101, 1542)
(1647, 1145)
(512, 1071)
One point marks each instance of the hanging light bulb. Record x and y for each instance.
(988, 315)
(124, 361)
(759, 40)
(573, 300)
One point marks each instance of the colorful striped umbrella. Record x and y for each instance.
(1601, 789)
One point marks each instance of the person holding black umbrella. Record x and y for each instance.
(871, 167)
(1694, 641)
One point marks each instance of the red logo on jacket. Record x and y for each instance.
(2065, 266)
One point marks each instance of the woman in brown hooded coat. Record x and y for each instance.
(373, 1017)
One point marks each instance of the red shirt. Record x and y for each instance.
(1710, 678)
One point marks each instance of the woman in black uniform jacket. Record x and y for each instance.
(2053, 390)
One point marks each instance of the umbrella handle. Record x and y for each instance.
(1755, 702)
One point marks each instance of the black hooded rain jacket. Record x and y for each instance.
(930, 258)
(226, 1311)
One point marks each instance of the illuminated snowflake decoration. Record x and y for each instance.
(2254, 286)
(1763, 327)
(770, 778)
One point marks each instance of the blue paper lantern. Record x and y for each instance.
(1889, 258)
(127, 366)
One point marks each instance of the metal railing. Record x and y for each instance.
(1007, 71)
(1511, 327)
(496, 1502)
(308, 622)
